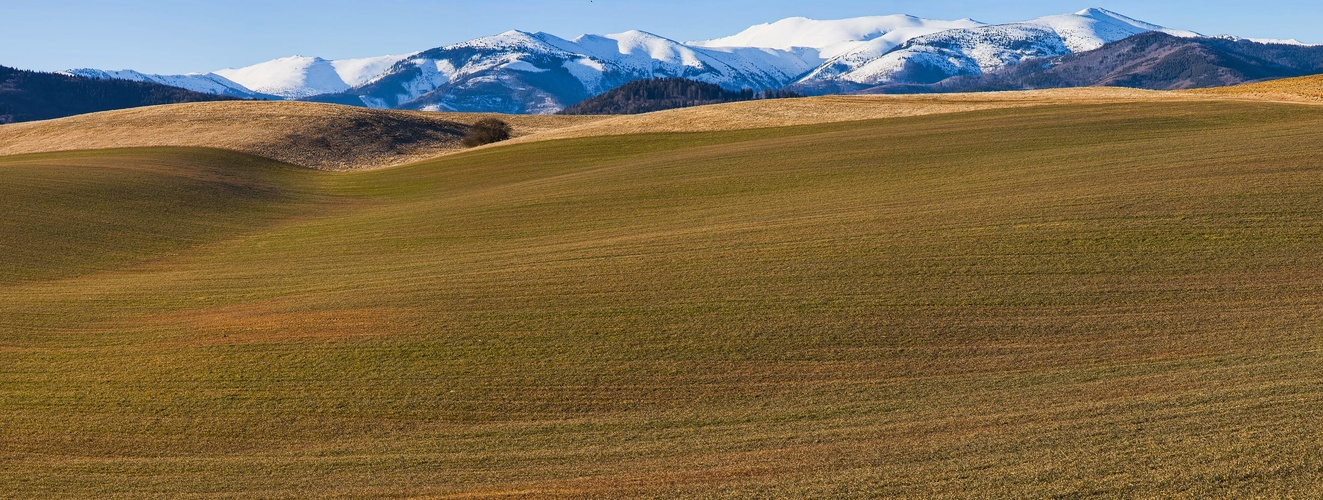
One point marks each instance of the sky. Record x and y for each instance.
(182, 36)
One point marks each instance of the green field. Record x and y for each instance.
(1110, 300)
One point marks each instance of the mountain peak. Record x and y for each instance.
(299, 59)
(635, 34)
(1097, 11)
(511, 36)
(1104, 15)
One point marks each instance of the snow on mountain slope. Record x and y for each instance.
(525, 72)
(977, 50)
(480, 74)
(198, 82)
(357, 72)
(287, 78)
(1091, 28)
(835, 37)
(297, 77)
(647, 54)
(936, 57)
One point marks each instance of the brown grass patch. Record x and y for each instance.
(266, 323)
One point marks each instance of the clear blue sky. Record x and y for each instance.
(177, 36)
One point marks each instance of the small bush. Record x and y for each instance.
(487, 131)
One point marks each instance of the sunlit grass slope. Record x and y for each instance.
(1117, 299)
(1304, 88)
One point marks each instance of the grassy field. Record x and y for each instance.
(1071, 300)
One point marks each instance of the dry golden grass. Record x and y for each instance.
(1303, 89)
(834, 109)
(330, 137)
(321, 136)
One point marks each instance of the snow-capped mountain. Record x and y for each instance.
(286, 78)
(973, 51)
(836, 37)
(1153, 60)
(521, 72)
(298, 77)
(209, 83)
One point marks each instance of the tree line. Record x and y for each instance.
(31, 95)
(643, 96)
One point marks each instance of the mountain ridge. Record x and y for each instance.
(1152, 61)
(537, 72)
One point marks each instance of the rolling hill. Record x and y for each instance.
(817, 110)
(1089, 298)
(320, 136)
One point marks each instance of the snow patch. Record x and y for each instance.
(525, 67)
(835, 37)
(979, 49)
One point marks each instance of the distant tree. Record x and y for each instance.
(487, 131)
(779, 94)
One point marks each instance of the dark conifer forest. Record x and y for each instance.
(31, 95)
(644, 96)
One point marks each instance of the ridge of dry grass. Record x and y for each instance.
(314, 135)
(839, 108)
(1302, 89)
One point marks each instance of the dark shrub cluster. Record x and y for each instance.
(657, 94)
(487, 131)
